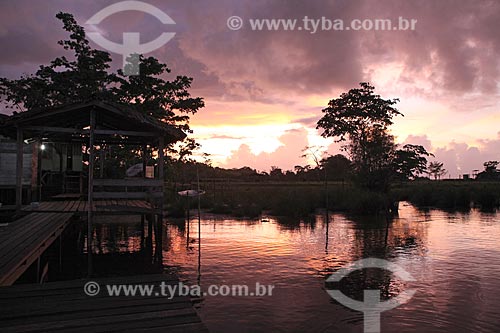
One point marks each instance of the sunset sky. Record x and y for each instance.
(264, 90)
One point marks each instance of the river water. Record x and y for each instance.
(454, 259)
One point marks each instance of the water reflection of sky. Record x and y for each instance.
(453, 256)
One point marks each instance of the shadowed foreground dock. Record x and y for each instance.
(23, 242)
(64, 306)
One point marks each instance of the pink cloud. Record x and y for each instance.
(286, 156)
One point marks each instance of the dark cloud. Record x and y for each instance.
(454, 47)
(451, 57)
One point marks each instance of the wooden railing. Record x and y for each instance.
(132, 188)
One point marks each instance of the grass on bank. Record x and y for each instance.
(297, 199)
(449, 194)
(281, 199)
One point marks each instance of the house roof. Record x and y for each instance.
(116, 122)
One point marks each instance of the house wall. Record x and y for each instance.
(8, 149)
(50, 161)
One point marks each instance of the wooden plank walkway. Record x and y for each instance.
(63, 306)
(67, 196)
(100, 206)
(23, 241)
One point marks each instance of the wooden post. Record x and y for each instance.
(150, 226)
(19, 170)
(101, 162)
(90, 192)
(161, 159)
(60, 151)
(161, 176)
(38, 269)
(60, 253)
(144, 160)
(159, 239)
(199, 227)
(188, 223)
(142, 231)
(35, 153)
(149, 240)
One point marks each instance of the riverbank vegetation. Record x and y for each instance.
(292, 198)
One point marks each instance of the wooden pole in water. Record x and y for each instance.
(142, 231)
(90, 202)
(161, 175)
(188, 222)
(60, 253)
(19, 170)
(149, 241)
(199, 207)
(199, 228)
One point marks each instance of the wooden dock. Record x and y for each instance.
(64, 306)
(23, 241)
(81, 207)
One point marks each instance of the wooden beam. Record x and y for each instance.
(49, 113)
(128, 182)
(47, 129)
(52, 129)
(90, 191)
(19, 170)
(119, 195)
(127, 195)
(126, 133)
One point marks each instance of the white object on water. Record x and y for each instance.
(134, 170)
(191, 193)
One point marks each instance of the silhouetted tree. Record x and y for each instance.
(302, 171)
(85, 76)
(436, 169)
(276, 172)
(490, 171)
(362, 117)
(490, 166)
(411, 161)
(337, 166)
